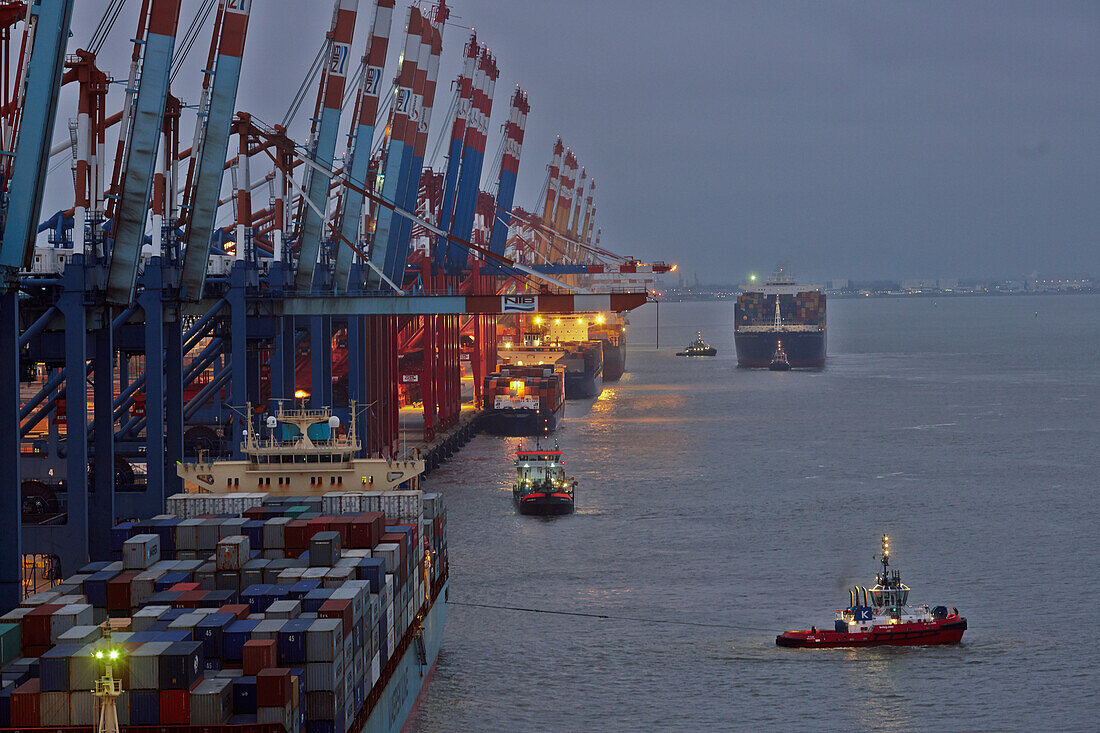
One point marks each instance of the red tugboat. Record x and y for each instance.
(880, 617)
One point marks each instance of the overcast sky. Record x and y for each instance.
(845, 139)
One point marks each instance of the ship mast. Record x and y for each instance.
(885, 556)
(778, 322)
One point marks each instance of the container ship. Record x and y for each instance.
(523, 399)
(781, 311)
(566, 340)
(298, 608)
(612, 336)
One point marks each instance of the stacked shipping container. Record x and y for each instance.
(259, 609)
(804, 308)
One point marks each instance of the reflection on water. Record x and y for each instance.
(753, 499)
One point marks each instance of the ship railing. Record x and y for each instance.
(784, 328)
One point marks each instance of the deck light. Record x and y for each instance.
(300, 394)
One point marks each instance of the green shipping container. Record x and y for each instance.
(9, 642)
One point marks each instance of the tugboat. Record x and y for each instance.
(880, 617)
(779, 359)
(542, 487)
(698, 347)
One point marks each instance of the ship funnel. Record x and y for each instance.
(862, 588)
(852, 597)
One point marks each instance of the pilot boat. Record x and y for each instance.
(698, 347)
(779, 359)
(880, 617)
(541, 484)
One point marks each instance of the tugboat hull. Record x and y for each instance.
(945, 631)
(780, 366)
(548, 504)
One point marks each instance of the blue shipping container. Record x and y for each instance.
(292, 642)
(180, 665)
(236, 634)
(144, 707)
(211, 632)
(244, 696)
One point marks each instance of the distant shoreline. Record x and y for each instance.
(858, 296)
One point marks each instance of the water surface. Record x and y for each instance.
(966, 428)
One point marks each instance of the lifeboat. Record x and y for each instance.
(880, 616)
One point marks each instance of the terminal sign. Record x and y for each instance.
(519, 303)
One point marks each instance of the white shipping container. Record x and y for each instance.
(146, 617)
(285, 610)
(233, 552)
(53, 708)
(212, 701)
(66, 617)
(375, 669)
(81, 707)
(39, 599)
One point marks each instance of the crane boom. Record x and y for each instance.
(359, 145)
(50, 20)
(214, 142)
(141, 152)
(323, 145)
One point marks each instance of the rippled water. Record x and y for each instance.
(967, 428)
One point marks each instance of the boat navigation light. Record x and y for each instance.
(538, 320)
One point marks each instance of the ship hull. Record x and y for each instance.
(544, 504)
(583, 385)
(947, 631)
(614, 360)
(518, 423)
(401, 693)
(755, 349)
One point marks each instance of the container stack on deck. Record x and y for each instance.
(547, 383)
(233, 609)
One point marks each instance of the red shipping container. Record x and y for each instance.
(25, 710)
(273, 687)
(191, 599)
(296, 536)
(343, 526)
(340, 608)
(239, 609)
(258, 655)
(35, 626)
(254, 512)
(186, 587)
(319, 524)
(118, 591)
(175, 707)
(33, 651)
(366, 528)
